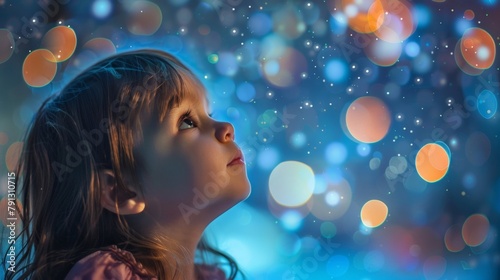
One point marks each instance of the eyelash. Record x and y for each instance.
(188, 116)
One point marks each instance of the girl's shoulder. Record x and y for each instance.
(109, 263)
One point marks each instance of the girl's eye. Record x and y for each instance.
(187, 123)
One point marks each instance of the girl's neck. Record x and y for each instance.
(180, 238)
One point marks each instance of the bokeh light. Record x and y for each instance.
(321, 183)
(227, 64)
(61, 41)
(374, 163)
(398, 164)
(469, 14)
(336, 71)
(445, 147)
(266, 119)
(490, 240)
(398, 24)
(489, 2)
(434, 267)
(100, 46)
(453, 239)
(291, 183)
(422, 63)
(462, 64)
(13, 154)
(363, 149)
(469, 180)
(328, 229)
(298, 139)
(363, 16)
(39, 68)
(478, 48)
(268, 158)
(338, 23)
(333, 202)
(373, 261)
(279, 210)
(288, 22)
(475, 230)
(461, 25)
(101, 8)
(432, 162)
(311, 13)
(291, 220)
(487, 104)
(336, 153)
(285, 69)
(260, 24)
(421, 15)
(213, 58)
(145, 18)
(374, 213)
(245, 92)
(368, 119)
(7, 45)
(412, 49)
(383, 53)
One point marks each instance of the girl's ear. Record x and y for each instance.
(116, 200)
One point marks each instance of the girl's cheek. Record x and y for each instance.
(170, 173)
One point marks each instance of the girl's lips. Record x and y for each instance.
(237, 159)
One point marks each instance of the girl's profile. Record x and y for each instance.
(121, 173)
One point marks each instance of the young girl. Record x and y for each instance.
(122, 172)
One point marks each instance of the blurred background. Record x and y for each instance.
(370, 127)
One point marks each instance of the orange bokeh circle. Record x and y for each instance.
(61, 41)
(368, 119)
(374, 213)
(432, 162)
(398, 23)
(478, 48)
(475, 230)
(39, 68)
(365, 20)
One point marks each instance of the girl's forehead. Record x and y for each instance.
(195, 93)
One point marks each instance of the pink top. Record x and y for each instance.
(116, 264)
(112, 263)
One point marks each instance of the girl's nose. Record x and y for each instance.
(224, 132)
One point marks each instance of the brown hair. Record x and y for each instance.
(92, 125)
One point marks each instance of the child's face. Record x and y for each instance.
(195, 170)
